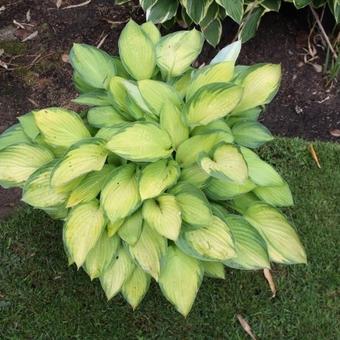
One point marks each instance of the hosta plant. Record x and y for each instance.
(158, 179)
(209, 14)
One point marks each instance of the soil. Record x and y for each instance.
(38, 75)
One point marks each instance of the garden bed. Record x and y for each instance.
(40, 297)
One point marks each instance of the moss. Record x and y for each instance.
(13, 47)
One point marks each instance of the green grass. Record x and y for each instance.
(42, 298)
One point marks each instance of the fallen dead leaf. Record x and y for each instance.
(31, 36)
(65, 58)
(335, 132)
(245, 325)
(2, 51)
(268, 275)
(314, 155)
(3, 64)
(2, 9)
(59, 3)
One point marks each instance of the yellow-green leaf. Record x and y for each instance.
(180, 279)
(82, 158)
(149, 250)
(18, 162)
(141, 142)
(137, 51)
(120, 196)
(60, 127)
(131, 228)
(135, 288)
(82, 230)
(163, 215)
(157, 177)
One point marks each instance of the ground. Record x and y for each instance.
(40, 297)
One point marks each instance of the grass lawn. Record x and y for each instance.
(41, 298)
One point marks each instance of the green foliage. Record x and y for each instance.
(150, 183)
(208, 14)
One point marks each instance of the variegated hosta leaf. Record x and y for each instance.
(90, 186)
(213, 241)
(136, 286)
(14, 135)
(180, 279)
(101, 255)
(221, 190)
(141, 142)
(160, 11)
(164, 215)
(228, 53)
(149, 250)
(29, 126)
(189, 151)
(18, 162)
(227, 164)
(196, 9)
(82, 230)
(57, 213)
(242, 202)
(151, 30)
(82, 158)
(117, 273)
(234, 9)
(213, 269)
(137, 51)
(281, 238)
(93, 65)
(104, 116)
(120, 196)
(157, 177)
(260, 172)
(278, 196)
(131, 228)
(38, 191)
(212, 102)
(113, 227)
(216, 126)
(251, 249)
(119, 95)
(176, 51)
(182, 83)
(60, 127)
(260, 84)
(195, 175)
(251, 134)
(93, 98)
(213, 32)
(172, 121)
(157, 93)
(217, 73)
(193, 204)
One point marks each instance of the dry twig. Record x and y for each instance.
(79, 5)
